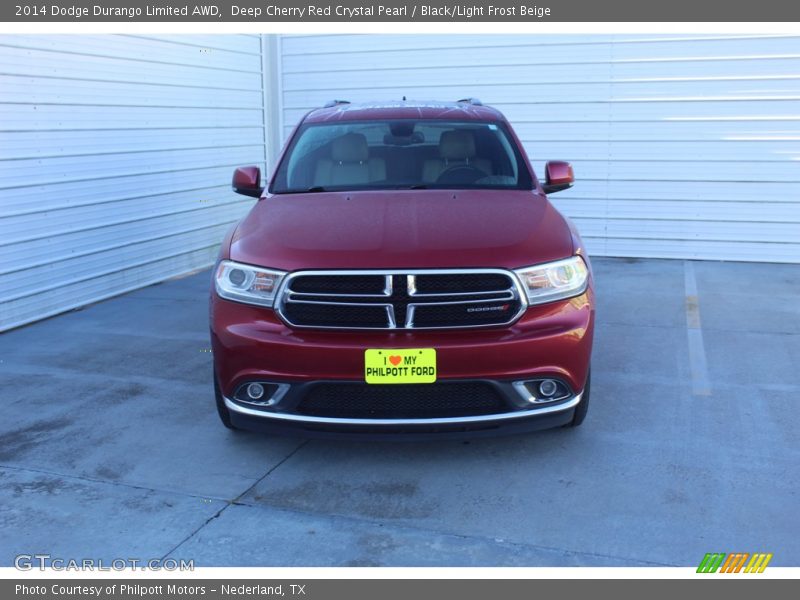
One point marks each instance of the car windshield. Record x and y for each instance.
(401, 154)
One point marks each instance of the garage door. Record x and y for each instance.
(684, 146)
(116, 154)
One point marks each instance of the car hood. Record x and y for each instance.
(402, 229)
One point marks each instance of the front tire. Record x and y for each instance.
(583, 406)
(222, 410)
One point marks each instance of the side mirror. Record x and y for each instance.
(247, 181)
(558, 176)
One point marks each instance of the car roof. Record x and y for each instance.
(403, 109)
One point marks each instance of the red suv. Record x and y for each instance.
(402, 273)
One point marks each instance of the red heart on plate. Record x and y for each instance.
(395, 360)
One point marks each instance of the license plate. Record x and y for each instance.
(409, 365)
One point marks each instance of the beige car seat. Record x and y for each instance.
(349, 163)
(456, 148)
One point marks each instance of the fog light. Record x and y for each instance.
(255, 391)
(548, 388)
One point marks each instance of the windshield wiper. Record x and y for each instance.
(311, 190)
(321, 188)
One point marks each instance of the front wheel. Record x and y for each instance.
(583, 406)
(222, 410)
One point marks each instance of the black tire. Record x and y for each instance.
(222, 410)
(583, 406)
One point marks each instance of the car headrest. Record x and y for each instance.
(457, 144)
(351, 147)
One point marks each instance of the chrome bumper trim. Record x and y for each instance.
(380, 422)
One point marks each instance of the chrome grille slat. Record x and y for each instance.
(386, 291)
(314, 295)
(508, 296)
(417, 295)
(503, 306)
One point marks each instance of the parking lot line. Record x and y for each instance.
(697, 352)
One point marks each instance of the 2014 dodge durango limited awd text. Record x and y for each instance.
(402, 273)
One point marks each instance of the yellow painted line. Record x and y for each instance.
(766, 562)
(754, 563)
(751, 563)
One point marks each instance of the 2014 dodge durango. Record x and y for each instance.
(402, 273)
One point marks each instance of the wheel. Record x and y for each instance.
(222, 410)
(583, 406)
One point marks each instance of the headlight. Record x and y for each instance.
(554, 281)
(246, 283)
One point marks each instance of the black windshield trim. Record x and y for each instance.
(403, 188)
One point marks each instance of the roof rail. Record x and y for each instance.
(473, 101)
(332, 103)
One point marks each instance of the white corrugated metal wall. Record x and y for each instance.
(116, 154)
(683, 146)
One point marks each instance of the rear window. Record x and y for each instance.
(401, 154)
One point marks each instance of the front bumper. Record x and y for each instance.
(512, 421)
(552, 340)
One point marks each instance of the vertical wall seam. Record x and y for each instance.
(271, 82)
(265, 102)
(279, 90)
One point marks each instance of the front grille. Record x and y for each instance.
(338, 284)
(439, 400)
(456, 283)
(460, 315)
(400, 300)
(336, 315)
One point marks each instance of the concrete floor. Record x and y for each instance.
(110, 445)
